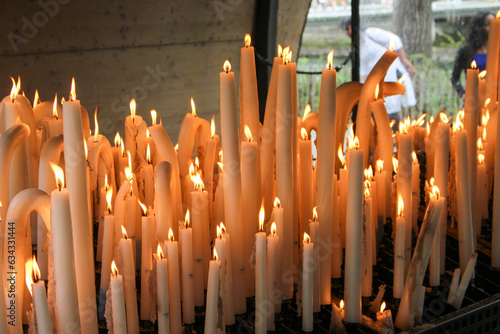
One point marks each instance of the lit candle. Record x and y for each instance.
(260, 277)
(145, 180)
(492, 61)
(306, 198)
(384, 319)
(314, 233)
(336, 320)
(228, 307)
(482, 195)
(211, 310)
(367, 276)
(415, 189)
(213, 146)
(232, 184)
(63, 261)
(107, 253)
(128, 268)
(135, 136)
(277, 216)
(419, 262)
(354, 236)
(324, 170)
(251, 198)
(186, 239)
(163, 295)
(76, 176)
(40, 305)
(307, 283)
(343, 180)
(271, 269)
(55, 124)
(399, 251)
(249, 98)
(147, 223)
(117, 301)
(173, 283)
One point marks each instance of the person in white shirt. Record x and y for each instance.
(374, 42)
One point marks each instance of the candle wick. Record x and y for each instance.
(59, 186)
(57, 118)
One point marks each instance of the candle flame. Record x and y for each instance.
(382, 307)
(212, 127)
(377, 90)
(473, 65)
(428, 128)
(480, 158)
(54, 108)
(329, 62)
(367, 192)
(341, 155)
(227, 66)
(59, 174)
(458, 125)
(307, 111)
(420, 121)
(192, 172)
(307, 238)
(114, 269)
(176, 148)
(280, 51)
(443, 118)
(484, 134)
(402, 128)
(128, 174)
(219, 232)
(486, 102)
(148, 154)
(133, 107)
(221, 156)
(143, 207)
(122, 148)
(367, 184)
(277, 203)
(403, 77)
(85, 149)
(216, 256)
(221, 166)
(395, 165)
(222, 228)
(72, 93)
(401, 206)
(186, 218)
(159, 251)
(198, 182)
(193, 108)
(170, 234)
(479, 144)
(197, 163)
(124, 233)
(36, 270)
(414, 157)
(261, 217)
(109, 195)
(28, 266)
(248, 133)
(36, 100)
(303, 133)
(380, 165)
(286, 50)
(96, 126)
(248, 40)
(154, 115)
(13, 91)
(497, 16)
(391, 44)
(273, 228)
(435, 192)
(356, 143)
(129, 157)
(315, 214)
(368, 173)
(482, 74)
(341, 305)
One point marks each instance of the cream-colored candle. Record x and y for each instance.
(211, 311)
(201, 239)
(135, 137)
(324, 169)
(213, 146)
(249, 97)
(415, 190)
(251, 199)
(384, 319)
(481, 189)
(277, 216)
(63, 265)
(354, 238)
(145, 181)
(117, 301)
(307, 283)
(40, 305)
(343, 180)
(173, 283)
(147, 223)
(260, 277)
(381, 181)
(306, 198)
(232, 184)
(75, 168)
(465, 223)
(220, 248)
(162, 299)
(367, 276)
(271, 269)
(314, 233)
(125, 250)
(187, 273)
(107, 253)
(399, 251)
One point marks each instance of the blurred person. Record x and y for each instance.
(474, 48)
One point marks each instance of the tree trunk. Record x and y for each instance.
(412, 20)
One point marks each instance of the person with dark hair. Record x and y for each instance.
(474, 48)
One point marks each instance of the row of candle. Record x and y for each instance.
(232, 195)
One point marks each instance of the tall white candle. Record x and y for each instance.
(249, 99)
(128, 268)
(186, 240)
(314, 233)
(260, 277)
(173, 283)
(117, 301)
(211, 311)
(306, 198)
(76, 176)
(146, 263)
(354, 237)
(271, 269)
(399, 251)
(404, 185)
(163, 295)
(107, 253)
(232, 176)
(307, 284)
(367, 276)
(41, 307)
